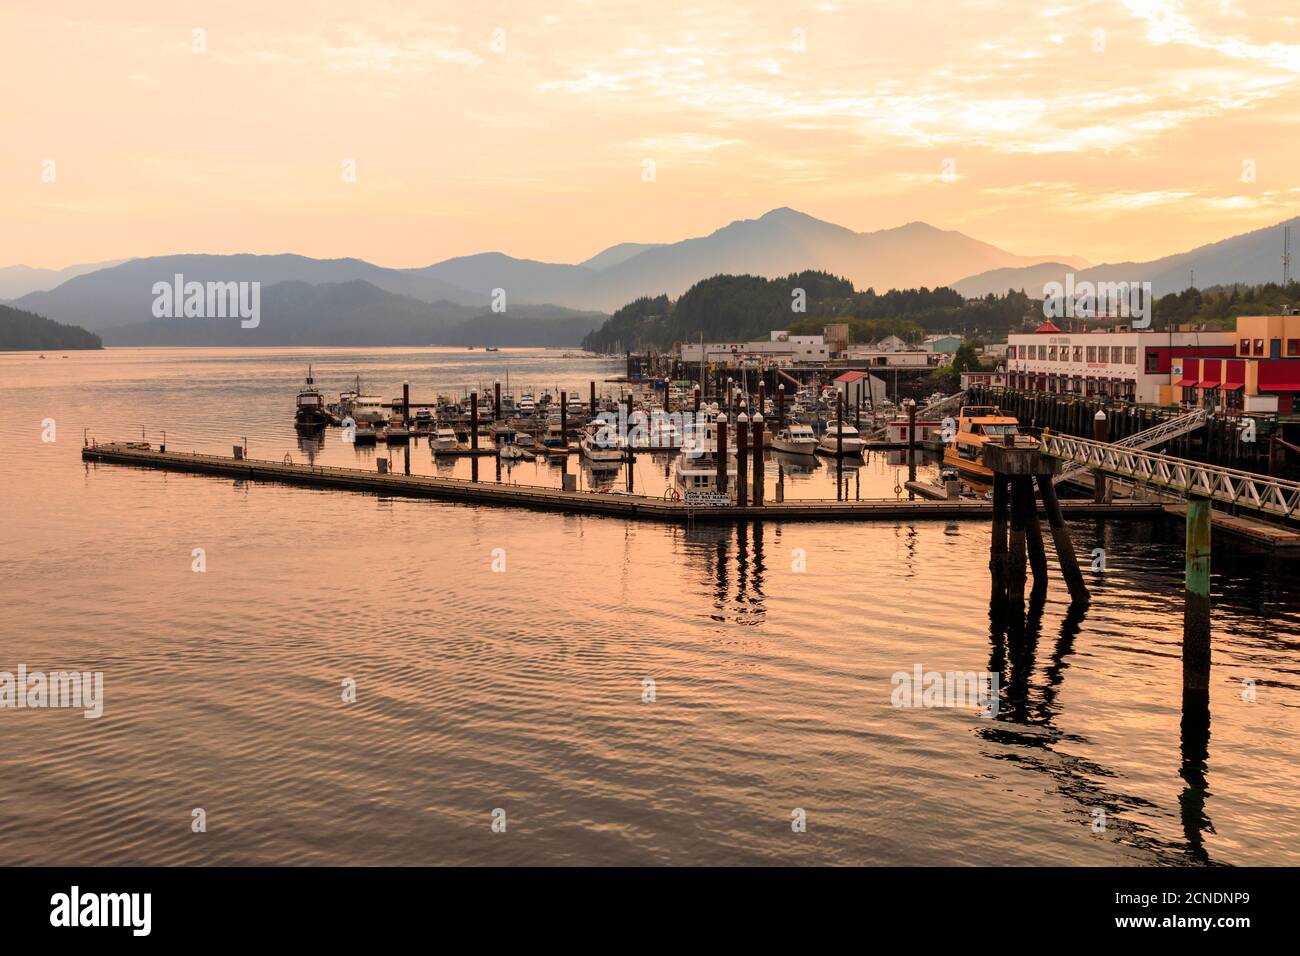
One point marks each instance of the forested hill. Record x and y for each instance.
(728, 308)
(21, 330)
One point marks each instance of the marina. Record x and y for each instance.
(719, 576)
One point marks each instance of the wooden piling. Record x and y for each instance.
(722, 453)
(757, 497)
(1065, 555)
(1196, 598)
(592, 386)
(780, 405)
(998, 546)
(496, 401)
(1015, 559)
(1101, 433)
(742, 459)
(1034, 537)
(473, 421)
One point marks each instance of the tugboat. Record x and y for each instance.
(310, 411)
(977, 425)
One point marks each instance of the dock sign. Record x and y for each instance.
(708, 499)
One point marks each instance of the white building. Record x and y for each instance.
(1122, 363)
(781, 349)
(882, 359)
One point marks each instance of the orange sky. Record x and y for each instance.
(1126, 144)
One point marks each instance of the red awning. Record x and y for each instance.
(1191, 374)
(1210, 369)
(1234, 377)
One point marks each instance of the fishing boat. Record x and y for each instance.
(599, 443)
(840, 438)
(397, 432)
(310, 410)
(977, 425)
(795, 439)
(364, 433)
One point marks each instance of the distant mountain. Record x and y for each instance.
(523, 280)
(122, 295)
(1253, 258)
(779, 243)
(620, 253)
(357, 313)
(20, 280)
(785, 241)
(21, 330)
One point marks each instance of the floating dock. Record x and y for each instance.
(139, 454)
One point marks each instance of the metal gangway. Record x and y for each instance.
(1167, 430)
(1245, 489)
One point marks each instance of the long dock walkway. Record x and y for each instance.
(572, 502)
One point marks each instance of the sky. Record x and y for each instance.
(409, 132)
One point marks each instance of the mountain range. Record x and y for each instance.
(448, 296)
(1253, 258)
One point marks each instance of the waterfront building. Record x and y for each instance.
(1121, 363)
(1261, 376)
(781, 348)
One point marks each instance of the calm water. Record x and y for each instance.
(522, 689)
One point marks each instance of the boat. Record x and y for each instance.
(397, 432)
(444, 439)
(368, 408)
(554, 436)
(599, 443)
(695, 469)
(527, 405)
(364, 433)
(310, 410)
(976, 426)
(512, 452)
(840, 437)
(492, 348)
(795, 439)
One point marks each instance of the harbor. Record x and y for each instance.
(319, 567)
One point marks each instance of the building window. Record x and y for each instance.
(1292, 347)
(1078, 353)
(1153, 360)
(1245, 347)
(1092, 353)
(1130, 355)
(1259, 347)
(1116, 354)
(1051, 353)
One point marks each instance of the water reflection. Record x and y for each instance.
(1027, 721)
(721, 551)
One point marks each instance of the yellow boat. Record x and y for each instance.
(976, 426)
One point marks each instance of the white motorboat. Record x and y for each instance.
(512, 452)
(527, 405)
(695, 469)
(444, 439)
(840, 437)
(599, 443)
(795, 439)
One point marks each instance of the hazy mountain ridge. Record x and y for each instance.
(18, 280)
(1252, 258)
(357, 313)
(26, 331)
(779, 243)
